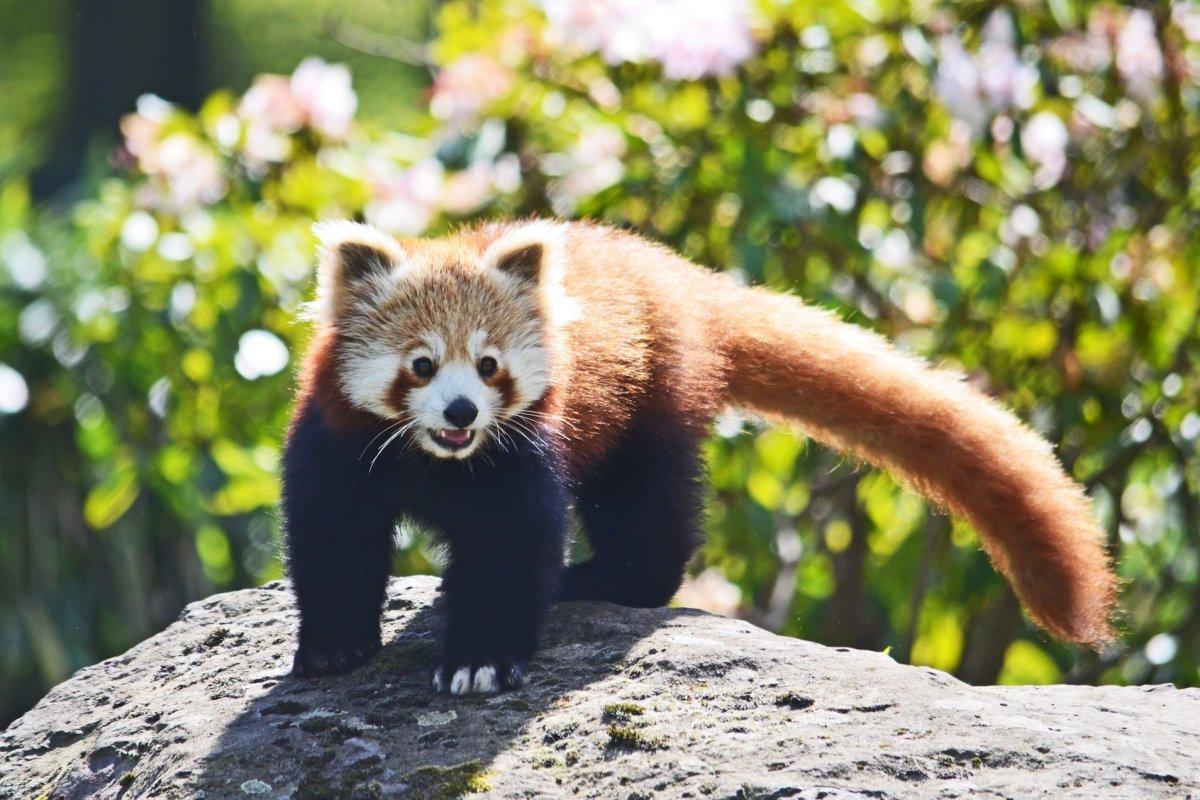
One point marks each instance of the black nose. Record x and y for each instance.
(461, 412)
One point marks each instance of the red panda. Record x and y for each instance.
(484, 384)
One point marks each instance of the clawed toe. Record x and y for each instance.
(484, 678)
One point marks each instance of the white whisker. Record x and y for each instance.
(527, 435)
(390, 439)
(386, 429)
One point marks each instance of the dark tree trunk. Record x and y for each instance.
(988, 637)
(120, 49)
(852, 620)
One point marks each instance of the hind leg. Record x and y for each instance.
(641, 512)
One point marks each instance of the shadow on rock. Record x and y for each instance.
(381, 731)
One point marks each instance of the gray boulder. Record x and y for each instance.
(622, 703)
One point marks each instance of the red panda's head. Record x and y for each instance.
(447, 341)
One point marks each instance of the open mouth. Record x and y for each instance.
(453, 438)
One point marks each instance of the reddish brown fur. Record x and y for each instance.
(319, 380)
(403, 382)
(660, 336)
(505, 386)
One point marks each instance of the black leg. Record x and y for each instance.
(642, 514)
(505, 527)
(495, 603)
(338, 527)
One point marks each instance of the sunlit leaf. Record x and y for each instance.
(108, 501)
(1026, 662)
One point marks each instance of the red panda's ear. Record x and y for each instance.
(530, 253)
(353, 258)
(524, 262)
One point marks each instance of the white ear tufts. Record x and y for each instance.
(525, 240)
(349, 252)
(334, 233)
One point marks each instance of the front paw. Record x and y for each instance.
(483, 677)
(333, 655)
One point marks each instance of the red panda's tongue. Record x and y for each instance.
(457, 436)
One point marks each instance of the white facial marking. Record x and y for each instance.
(427, 404)
(435, 346)
(476, 342)
(461, 683)
(528, 362)
(485, 679)
(367, 377)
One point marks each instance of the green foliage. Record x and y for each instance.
(33, 42)
(1010, 192)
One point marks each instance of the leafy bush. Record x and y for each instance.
(1006, 190)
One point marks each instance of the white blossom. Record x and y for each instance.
(14, 392)
(1186, 15)
(1044, 141)
(260, 353)
(1161, 648)
(974, 87)
(26, 264)
(834, 192)
(1139, 58)
(465, 86)
(591, 165)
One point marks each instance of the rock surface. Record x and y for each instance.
(622, 703)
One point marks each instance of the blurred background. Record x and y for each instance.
(1009, 188)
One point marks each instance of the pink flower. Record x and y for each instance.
(184, 174)
(141, 135)
(1004, 80)
(143, 129)
(710, 591)
(602, 26)
(689, 38)
(325, 94)
(270, 102)
(468, 85)
(1089, 50)
(468, 189)
(407, 200)
(192, 172)
(957, 83)
(184, 171)
(317, 95)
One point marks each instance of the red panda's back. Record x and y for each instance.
(635, 345)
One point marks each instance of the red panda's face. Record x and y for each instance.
(444, 341)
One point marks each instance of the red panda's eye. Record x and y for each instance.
(423, 367)
(487, 366)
